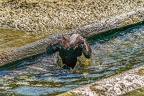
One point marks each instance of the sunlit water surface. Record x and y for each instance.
(41, 76)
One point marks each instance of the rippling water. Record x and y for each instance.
(42, 76)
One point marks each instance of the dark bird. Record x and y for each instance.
(69, 48)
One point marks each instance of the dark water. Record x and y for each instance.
(41, 75)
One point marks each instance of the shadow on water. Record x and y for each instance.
(40, 75)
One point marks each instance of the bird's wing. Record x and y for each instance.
(54, 46)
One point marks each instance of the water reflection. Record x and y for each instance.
(42, 76)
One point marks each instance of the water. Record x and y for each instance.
(41, 75)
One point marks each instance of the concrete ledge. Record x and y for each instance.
(113, 86)
(112, 23)
(13, 54)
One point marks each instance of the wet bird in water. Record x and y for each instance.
(69, 48)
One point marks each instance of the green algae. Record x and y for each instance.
(10, 94)
(99, 91)
(69, 94)
(15, 38)
(9, 35)
(138, 92)
(45, 83)
(141, 71)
